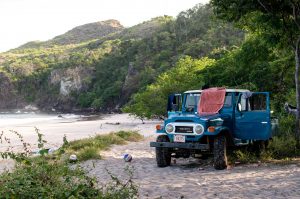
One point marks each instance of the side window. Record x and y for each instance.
(253, 102)
(258, 102)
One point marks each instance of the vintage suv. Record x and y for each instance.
(243, 118)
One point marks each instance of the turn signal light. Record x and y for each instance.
(158, 127)
(211, 129)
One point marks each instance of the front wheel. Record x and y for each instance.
(220, 156)
(163, 155)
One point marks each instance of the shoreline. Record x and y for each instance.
(54, 129)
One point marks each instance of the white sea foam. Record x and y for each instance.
(23, 118)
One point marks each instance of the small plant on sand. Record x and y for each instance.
(90, 148)
(118, 189)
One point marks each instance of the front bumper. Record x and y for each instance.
(180, 145)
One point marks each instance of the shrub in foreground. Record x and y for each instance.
(43, 178)
(47, 176)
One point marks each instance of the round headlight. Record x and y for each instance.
(199, 129)
(169, 128)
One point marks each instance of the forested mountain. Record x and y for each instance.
(100, 65)
(79, 34)
(261, 62)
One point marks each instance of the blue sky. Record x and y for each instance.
(27, 20)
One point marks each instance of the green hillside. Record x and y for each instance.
(105, 67)
(100, 65)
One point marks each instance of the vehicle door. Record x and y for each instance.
(252, 116)
(174, 102)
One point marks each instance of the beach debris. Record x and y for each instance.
(52, 150)
(127, 157)
(35, 152)
(73, 158)
(113, 123)
(38, 152)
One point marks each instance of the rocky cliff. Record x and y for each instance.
(9, 99)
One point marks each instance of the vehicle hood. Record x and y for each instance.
(194, 117)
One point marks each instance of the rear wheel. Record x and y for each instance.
(220, 156)
(163, 155)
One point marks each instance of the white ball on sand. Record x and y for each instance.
(127, 157)
(73, 158)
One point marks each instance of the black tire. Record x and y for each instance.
(163, 155)
(220, 150)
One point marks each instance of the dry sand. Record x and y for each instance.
(192, 178)
(188, 178)
(54, 130)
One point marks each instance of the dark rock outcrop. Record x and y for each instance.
(8, 95)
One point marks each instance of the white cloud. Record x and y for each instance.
(26, 20)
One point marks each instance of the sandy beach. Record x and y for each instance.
(74, 129)
(193, 178)
(187, 178)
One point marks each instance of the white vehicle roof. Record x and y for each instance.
(227, 90)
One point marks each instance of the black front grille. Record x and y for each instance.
(183, 129)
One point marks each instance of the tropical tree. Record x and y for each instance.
(184, 76)
(276, 20)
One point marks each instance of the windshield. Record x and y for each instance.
(191, 102)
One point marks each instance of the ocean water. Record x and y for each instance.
(53, 126)
(20, 118)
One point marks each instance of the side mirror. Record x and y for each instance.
(239, 107)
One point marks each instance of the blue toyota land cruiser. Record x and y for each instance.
(244, 118)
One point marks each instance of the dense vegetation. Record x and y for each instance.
(265, 61)
(278, 22)
(113, 67)
(140, 66)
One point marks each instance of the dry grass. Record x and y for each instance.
(90, 148)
